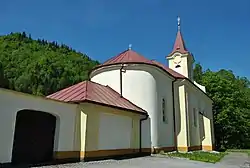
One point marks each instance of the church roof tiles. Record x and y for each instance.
(88, 91)
(130, 56)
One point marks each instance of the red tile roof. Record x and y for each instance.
(169, 70)
(127, 56)
(179, 44)
(130, 56)
(95, 93)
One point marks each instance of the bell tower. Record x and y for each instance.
(180, 59)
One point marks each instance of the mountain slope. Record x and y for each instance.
(40, 67)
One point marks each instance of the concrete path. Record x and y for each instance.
(233, 160)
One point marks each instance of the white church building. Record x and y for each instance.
(129, 105)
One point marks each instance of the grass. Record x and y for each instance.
(199, 156)
(240, 150)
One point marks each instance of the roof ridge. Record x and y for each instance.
(115, 56)
(124, 98)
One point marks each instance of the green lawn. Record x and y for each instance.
(199, 156)
(240, 150)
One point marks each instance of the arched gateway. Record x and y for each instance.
(34, 137)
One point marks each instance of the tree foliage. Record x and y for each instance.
(40, 67)
(231, 108)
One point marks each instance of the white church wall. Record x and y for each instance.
(139, 86)
(202, 133)
(166, 128)
(114, 132)
(146, 134)
(11, 102)
(193, 114)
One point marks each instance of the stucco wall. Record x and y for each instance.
(202, 132)
(108, 131)
(137, 80)
(193, 114)
(115, 132)
(151, 85)
(166, 128)
(11, 102)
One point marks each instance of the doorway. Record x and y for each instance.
(34, 137)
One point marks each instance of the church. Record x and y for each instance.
(130, 105)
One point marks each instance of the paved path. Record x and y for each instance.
(233, 160)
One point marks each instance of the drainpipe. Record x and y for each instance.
(121, 71)
(173, 93)
(143, 119)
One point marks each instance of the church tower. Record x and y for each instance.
(180, 59)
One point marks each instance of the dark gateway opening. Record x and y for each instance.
(34, 137)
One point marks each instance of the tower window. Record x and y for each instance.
(164, 116)
(177, 66)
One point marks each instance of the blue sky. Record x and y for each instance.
(217, 32)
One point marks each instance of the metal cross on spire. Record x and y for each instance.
(179, 23)
(130, 46)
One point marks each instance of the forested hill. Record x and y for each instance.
(40, 67)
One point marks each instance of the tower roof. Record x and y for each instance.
(179, 45)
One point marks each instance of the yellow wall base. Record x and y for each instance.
(117, 152)
(97, 153)
(207, 148)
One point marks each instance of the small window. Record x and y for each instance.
(195, 117)
(164, 116)
(177, 66)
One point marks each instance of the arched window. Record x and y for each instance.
(164, 115)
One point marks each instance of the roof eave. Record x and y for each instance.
(151, 64)
(197, 87)
(112, 106)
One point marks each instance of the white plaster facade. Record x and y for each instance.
(12, 102)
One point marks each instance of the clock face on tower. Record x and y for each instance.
(177, 61)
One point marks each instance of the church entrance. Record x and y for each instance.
(34, 137)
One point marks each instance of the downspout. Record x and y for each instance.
(122, 66)
(140, 127)
(173, 93)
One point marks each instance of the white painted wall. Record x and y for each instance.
(114, 132)
(166, 129)
(146, 134)
(11, 102)
(140, 87)
(194, 102)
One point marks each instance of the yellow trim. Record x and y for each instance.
(182, 148)
(207, 147)
(96, 153)
(67, 154)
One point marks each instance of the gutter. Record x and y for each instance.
(173, 93)
(143, 119)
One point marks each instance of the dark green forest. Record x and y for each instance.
(231, 108)
(40, 67)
